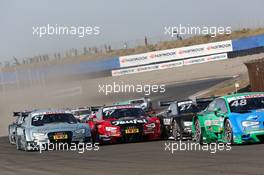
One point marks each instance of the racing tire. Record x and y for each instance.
(228, 132)
(25, 147)
(176, 131)
(198, 134)
(18, 143)
(95, 137)
(11, 140)
(87, 140)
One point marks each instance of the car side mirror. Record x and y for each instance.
(217, 111)
(169, 111)
(91, 117)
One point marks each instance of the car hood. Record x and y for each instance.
(128, 120)
(254, 115)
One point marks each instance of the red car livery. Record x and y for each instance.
(125, 124)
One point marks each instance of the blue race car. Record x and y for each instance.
(236, 119)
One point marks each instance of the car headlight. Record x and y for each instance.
(37, 135)
(110, 128)
(250, 123)
(80, 131)
(151, 125)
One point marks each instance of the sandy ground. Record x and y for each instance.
(86, 92)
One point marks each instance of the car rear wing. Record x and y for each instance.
(95, 108)
(165, 103)
(23, 114)
(202, 103)
(188, 105)
(204, 100)
(137, 101)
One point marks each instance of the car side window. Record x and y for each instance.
(211, 106)
(221, 104)
(24, 119)
(173, 108)
(17, 120)
(98, 114)
(20, 120)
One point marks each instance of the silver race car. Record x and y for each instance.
(42, 127)
(12, 127)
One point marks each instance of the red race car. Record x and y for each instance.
(123, 123)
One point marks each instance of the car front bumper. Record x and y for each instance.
(249, 137)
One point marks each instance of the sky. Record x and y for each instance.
(119, 21)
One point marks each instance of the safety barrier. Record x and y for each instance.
(143, 62)
(176, 54)
(248, 43)
(65, 70)
(234, 48)
(168, 65)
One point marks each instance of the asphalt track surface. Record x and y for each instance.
(137, 158)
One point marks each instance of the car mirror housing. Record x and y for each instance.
(91, 117)
(169, 111)
(217, 111)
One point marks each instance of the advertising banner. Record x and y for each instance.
(176, 54)
(204, 49)
(205, 59)
(168, 65)
(147, 58)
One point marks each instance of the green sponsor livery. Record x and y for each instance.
(236, 119)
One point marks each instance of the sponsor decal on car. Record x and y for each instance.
(244, 97)
(212, 122)
(133, 121)
(121, 107)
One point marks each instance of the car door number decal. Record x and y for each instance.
(211, 122)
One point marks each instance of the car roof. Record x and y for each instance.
(48, 111)
(81, 109)
(241, 94)
(121, 106)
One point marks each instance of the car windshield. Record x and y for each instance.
(246, 104)
(124, 112)
(82, 112)
(40, 120)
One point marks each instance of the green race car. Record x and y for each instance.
(235, 119)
